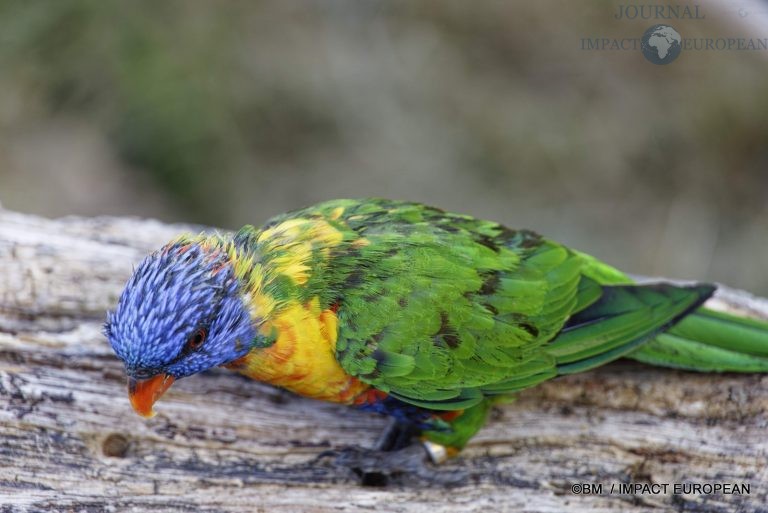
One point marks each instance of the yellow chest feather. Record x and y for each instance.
(302, 359)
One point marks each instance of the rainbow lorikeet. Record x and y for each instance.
(406, 310)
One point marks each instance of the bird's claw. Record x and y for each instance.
(379, 468)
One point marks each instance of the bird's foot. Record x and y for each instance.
(380, 468)
(398, 456)
(396, 436)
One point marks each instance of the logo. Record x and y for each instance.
(658, 11)
(661, 44)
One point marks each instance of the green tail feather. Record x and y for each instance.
(622, 319)
(710, 341)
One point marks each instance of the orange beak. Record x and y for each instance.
(144, 393)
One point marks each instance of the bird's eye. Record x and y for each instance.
(196, 339)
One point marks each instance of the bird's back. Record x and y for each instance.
(436, 309)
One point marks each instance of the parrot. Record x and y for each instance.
(406, 310)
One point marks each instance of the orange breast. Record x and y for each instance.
(302, 359)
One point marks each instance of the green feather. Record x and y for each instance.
(710, 341)
(623, 317)
(447, 312)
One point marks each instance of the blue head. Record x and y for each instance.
(181, 312)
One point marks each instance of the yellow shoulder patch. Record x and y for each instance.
(296, 240)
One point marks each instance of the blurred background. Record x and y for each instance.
(225, 113)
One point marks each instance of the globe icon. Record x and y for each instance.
(661, 44)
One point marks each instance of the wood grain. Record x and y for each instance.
(70, 442)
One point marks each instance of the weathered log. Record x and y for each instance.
(69, 440)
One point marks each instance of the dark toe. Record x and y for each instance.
(379, 469)
(396, 436)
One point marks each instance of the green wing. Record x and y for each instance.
(441, 310)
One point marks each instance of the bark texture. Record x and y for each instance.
(69, 440)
